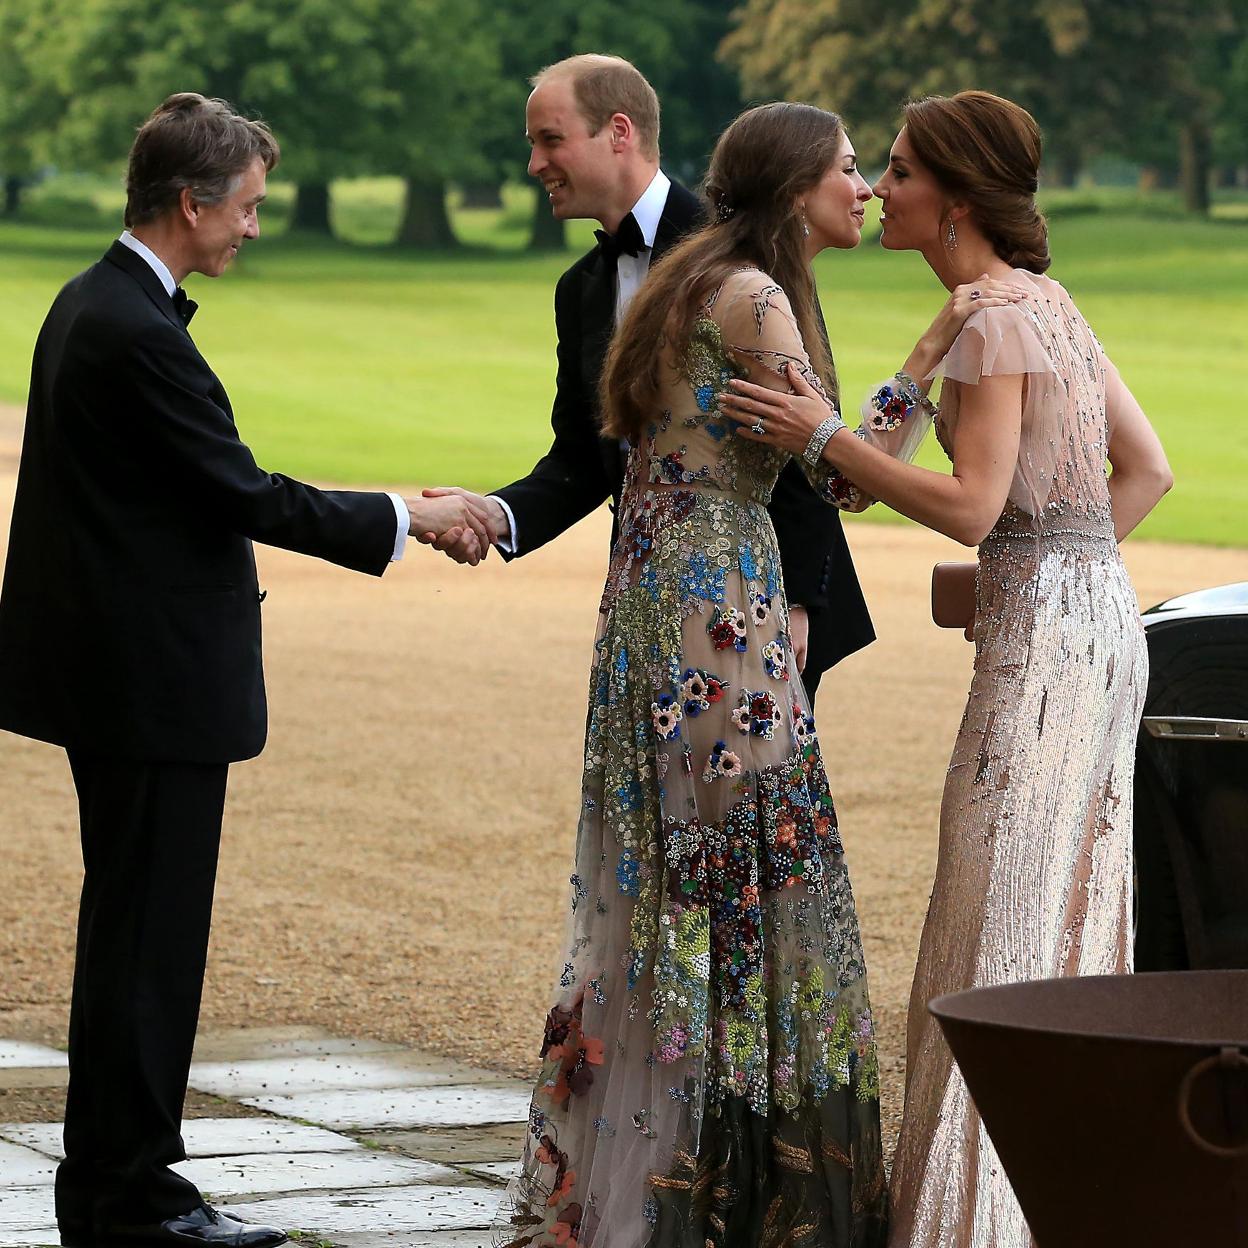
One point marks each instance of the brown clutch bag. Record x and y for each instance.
(953, 594)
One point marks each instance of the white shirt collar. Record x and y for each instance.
(158, 266)
(648, 210)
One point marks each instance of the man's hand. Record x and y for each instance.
(451, 523)
(799, 635)
(488, 510)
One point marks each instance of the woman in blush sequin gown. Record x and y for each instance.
(1033, 878)
(710, 1076)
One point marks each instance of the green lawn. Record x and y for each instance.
(359, 363)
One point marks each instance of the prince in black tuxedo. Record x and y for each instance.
(593, 124)
(130, 635)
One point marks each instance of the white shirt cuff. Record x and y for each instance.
(506, 544)
(404, 523)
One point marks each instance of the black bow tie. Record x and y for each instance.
(183, 306)
(626, 241)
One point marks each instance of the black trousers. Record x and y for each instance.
(150, 836)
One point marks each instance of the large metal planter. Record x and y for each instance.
(1118, 1104)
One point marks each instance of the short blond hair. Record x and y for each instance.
(604, 85)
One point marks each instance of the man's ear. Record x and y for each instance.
(622, 131)
(188, 207)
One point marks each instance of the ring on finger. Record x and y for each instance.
(757, 427)
(975, 294)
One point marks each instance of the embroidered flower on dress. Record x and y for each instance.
(667, 715)
(698, 689)
(721, 763)
(757, 714)
(889, 409)
(760, 608)
(628, 874)
(727, 628)
(803, 728)
(775, 661)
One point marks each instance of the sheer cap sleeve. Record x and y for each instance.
(998, 342)
(994, 342)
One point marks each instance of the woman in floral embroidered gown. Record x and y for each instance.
(710, 1074)
(1033, 880)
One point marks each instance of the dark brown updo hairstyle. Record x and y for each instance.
(766, 158)
(985, 151)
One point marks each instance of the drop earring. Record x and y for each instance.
(805, 223)
(951, 237)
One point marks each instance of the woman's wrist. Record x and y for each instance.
(930, 349)
(835, 445)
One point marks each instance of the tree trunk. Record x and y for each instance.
(425, 220)
(311, 211)
(483, 195)
(1063, 168)
(1156, 178)
(547, 233)
(1194, 161)
(12, 195)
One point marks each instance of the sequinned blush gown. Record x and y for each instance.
(710, 1075)
(1033, 878)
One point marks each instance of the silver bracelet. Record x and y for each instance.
(820, 438)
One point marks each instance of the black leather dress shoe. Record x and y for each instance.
(201, 1226)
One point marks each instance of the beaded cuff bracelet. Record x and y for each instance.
(820, 438)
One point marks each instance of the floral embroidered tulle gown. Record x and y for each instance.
(710, 1074)
(1033, 879)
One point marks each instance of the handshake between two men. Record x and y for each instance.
(461, 524)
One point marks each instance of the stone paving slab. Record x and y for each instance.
(34, 1077)
(457, 1145)
(403, 1107)
(297, 1076)
(45, 1237)
(207, 1137)
(26, 1209)
(499, 1171)
(256, 1173)
(395, 1209)
(23, 1167)
(18, 1053)
(242, 1043)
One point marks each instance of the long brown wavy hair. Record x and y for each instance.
(762, 163)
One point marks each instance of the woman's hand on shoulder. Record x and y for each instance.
(963, 302)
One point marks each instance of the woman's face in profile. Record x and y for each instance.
(834, 206)
(914, 205)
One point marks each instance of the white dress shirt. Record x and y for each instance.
(161, 269)
(630, 273)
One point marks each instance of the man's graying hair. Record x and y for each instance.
(196, 144)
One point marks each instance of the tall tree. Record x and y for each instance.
(30, 103)
(1091, 70)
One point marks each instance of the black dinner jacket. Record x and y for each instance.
(130, 612)
(582, 469)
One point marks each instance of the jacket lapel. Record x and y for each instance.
(138, 268)
(597, 317)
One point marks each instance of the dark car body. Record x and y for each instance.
(1191, 785)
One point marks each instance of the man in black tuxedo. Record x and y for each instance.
(593, 123)
(130, 635)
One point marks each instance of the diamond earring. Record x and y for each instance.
(805, 224)
(951, 238)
